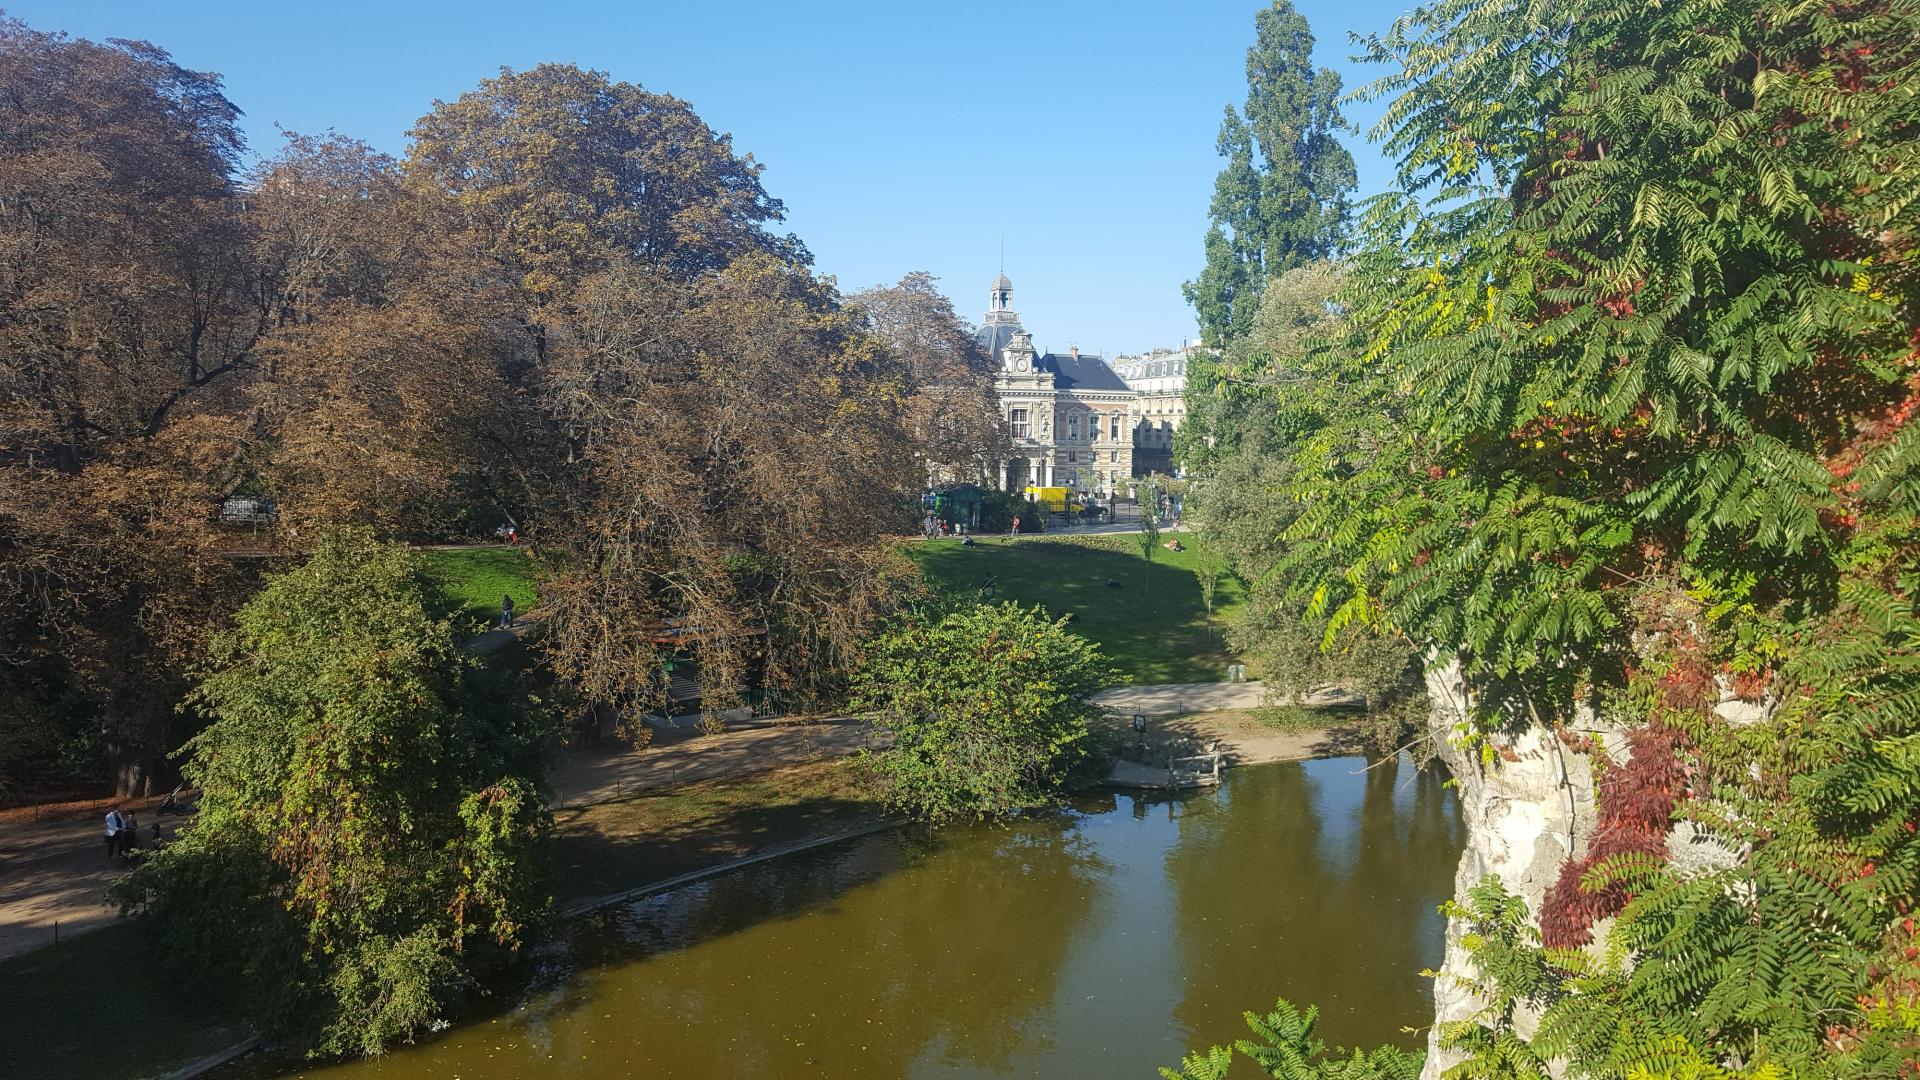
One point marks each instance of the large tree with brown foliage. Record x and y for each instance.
(129, 313)
(562, 172)
(737, 454)
(953, 409)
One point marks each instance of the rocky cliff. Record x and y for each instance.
(1527, 811)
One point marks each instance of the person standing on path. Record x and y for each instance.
(506, 613)
(114, 824)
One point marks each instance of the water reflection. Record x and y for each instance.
(1096, 943)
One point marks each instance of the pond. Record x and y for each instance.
(1099, 942)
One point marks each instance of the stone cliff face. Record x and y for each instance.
(1531, 809)
(1527, 812)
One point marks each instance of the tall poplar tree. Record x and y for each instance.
(1281, 201)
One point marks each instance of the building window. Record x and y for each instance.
(1113, 457)
(1073, 426)
(1116, 425)
(1017, 421)
(1072, 456)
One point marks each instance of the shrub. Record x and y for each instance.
(988, 707)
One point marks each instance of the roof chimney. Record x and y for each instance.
(1074, 351)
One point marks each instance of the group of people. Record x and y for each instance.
(123, 832)
(934, 526)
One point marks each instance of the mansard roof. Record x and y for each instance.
(1083, 372)
(994, 337)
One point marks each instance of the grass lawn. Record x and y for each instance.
(103, 1005)
(479, 577)
(620, 845)
(1153, 625)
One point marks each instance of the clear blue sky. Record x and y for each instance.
(902, 134)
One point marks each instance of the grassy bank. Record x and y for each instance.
(104, 1005)
(56, 997)
(1152, 623)
(478, 578)
(621, 845)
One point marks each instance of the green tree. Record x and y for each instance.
(988, 706)
(371, 798)
(1248, 394)
(1284, 1047)
(1627, 426)
(1281, 200)
(1148, 490)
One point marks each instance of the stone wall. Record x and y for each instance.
(1526, 813)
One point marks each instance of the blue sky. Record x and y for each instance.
(901, 135)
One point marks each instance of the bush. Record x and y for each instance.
(988, 706)
(371, 799)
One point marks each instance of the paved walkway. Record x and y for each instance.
(54, 871)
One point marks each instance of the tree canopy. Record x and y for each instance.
(561, 170)
(1621, 422)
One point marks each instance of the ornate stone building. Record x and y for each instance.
(1070, 417)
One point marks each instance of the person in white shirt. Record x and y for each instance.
(114, 824)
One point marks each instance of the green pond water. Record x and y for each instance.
(1097, 943)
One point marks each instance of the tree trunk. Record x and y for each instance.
(132, 769)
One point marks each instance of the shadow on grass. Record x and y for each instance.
(1148, 618)
(104, 1005)
(607, 848)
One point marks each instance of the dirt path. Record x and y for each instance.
(1244, 740)
(584, 777)
(54, 870)
(1182, 699)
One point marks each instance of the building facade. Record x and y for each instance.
(1160, 379)
(1070, 418)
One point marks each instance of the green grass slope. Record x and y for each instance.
(1153, 625)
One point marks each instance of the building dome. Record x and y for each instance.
(1001, 284)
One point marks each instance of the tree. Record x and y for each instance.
(562, 171)
(1627, 427)
(1243, 396)
(737, 464)
(954, 411)
(1284, 1047)
(389, 358)
(1148, 491)
(370, 798)
(1281, 200)
(988, 706)
(130, 310)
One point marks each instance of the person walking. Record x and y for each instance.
(506, 613)
(114, 824)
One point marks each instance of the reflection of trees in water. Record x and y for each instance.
(956, 955)
(1265, 912)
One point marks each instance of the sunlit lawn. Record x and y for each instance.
(479, 577)
(1153, 624)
